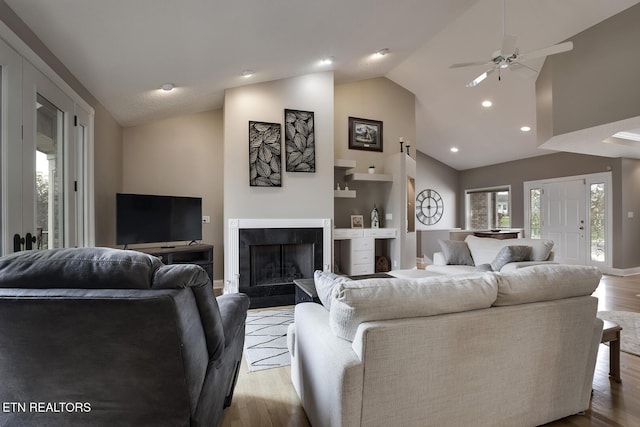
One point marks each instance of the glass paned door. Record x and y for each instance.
(48, 175)
(11, 147)
(47, 114)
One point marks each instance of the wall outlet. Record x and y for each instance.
(630, 214)
(388, 216)
(206, 219)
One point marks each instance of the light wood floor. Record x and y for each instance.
(267, 398)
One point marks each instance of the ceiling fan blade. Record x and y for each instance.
(551, 50)
(480, 78)
(508, 45)
(469, 64)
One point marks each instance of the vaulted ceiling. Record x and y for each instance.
(123, 51)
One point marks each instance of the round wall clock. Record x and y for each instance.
(429, 207)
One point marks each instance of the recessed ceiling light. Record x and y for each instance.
(327, 61)
(525, 128)
(167, 87)
(486, 103)
(454, 149)
(247, 73)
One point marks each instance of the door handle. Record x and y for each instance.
(29, 241)
(17, 243)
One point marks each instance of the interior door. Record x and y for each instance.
(563, 222)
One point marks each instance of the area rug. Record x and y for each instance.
(630, 334)
(265, 340)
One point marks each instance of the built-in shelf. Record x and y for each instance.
(344, 194)
(344, 164)
(380, 177)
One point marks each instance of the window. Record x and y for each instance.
(597, 217)
(535, 212)
(488, 208)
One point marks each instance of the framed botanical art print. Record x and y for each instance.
(365, 134)
(265, 146)
(299, 141)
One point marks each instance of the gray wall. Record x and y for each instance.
(516, 172)
(595, 83)
(375, 99)
(625, 184)
(628, 250)
(435, 175)
(181, 156)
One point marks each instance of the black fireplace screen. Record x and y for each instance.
(279, 264)
(270, 259)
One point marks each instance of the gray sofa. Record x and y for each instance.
(105, 337)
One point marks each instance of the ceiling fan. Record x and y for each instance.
(508, 57)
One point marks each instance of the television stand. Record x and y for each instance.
(200, 254)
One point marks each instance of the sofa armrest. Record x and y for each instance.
(325, 370)
(233, 310)
(438, 259)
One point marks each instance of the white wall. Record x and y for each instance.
(302, 195)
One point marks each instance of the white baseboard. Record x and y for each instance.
(620, 271)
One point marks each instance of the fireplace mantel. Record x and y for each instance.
(232, 268)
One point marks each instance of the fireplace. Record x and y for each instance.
(282, 251)
(270, 259)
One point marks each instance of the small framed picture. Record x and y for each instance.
(365, 134)
(357, 221)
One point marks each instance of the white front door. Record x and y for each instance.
(563, 221)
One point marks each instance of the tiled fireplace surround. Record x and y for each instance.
(264, 256)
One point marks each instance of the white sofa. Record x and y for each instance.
(484, 250)
(486, 349)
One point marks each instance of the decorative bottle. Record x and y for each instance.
(375, 217)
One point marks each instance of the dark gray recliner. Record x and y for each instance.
(105, 337)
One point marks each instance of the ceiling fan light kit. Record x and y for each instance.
(508, 57)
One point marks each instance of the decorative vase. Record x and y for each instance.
(372, 169)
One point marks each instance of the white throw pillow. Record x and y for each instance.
(325, 282)
(485, 249)
(357, 301)
(546, 283)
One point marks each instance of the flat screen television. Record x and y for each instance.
(146, 218)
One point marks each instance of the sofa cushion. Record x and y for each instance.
(546, 283)
(86, 268)
(509, 254)
(455, 252)
(358, 301)
(326, 282)
(485, 249)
